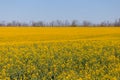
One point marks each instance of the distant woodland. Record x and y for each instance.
(60, 23)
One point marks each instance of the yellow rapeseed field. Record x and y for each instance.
(17, 34)
(51, 53)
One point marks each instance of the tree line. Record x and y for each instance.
(60, 23)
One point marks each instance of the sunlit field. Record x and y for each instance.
(23, 34)
(51, 53)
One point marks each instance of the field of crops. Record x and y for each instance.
(59, 53)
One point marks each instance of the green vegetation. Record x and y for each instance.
(67, 60)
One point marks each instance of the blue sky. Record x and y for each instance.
(48, 10)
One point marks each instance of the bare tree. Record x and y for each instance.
(74, 23)
(14, 23)
(40, 23)
(117, 22)
(87, 23)
(2, 23)
(66, 23)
